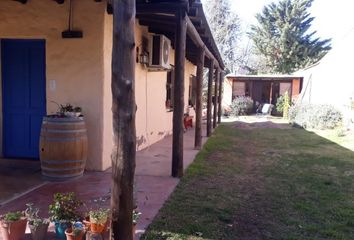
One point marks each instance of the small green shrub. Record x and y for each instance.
(286, 105)
(341, 132)
(241, 106)
(280, 104)
(65, 207)
(12, 216)
(283, 104)
(316, 116)
(34, 220)
(99, 216)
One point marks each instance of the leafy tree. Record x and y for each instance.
(249, 60)
(282, 36)
(225, 26)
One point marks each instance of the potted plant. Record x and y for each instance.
(37, 225)
(77, 111)
(75, 232)
(136, 216)
(98, 220)
(13, 225)
(63, 211)
(68, 110)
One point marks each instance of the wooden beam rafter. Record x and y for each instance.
(161, 8)
(195, 37)
(158, 14)
(158, 18)
(157, 24)
(21, 1)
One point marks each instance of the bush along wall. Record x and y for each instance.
(241, 106)
(315, 116)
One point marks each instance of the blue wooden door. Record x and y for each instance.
(24, 100)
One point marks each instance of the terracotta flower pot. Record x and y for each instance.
(13, 230)
(39, 232)
(70, 235)
(97, 228)
(94, 236)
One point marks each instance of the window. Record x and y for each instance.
(239, 89)
(169, 90)
(192, 90)
(285, 87)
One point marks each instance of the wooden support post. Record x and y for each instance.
(217, 76)
(251, 89)
(271, 93)
(178, 109)
(123, 110)
(198, 111)
(209, 103)
(221, 81)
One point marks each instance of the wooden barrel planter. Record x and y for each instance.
(63, 147)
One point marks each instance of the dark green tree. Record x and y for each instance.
(282, 36)
(225, 26)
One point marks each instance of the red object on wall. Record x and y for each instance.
(188, 122)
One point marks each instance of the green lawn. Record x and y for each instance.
(262, 184)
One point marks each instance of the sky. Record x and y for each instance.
(333, 18)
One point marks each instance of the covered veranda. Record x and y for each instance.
(153, 184)
(184, 22)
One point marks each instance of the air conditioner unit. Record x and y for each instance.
(159, 52)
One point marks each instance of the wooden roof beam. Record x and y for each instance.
(193, 12)
(158, 19)
(194, 35)
(21, 1)
(197, 23)
(161, 8)
(157, 23)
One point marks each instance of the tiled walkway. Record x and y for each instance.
(153, 182)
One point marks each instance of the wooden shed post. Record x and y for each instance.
(178, 110)
(123, 110)
(221, 81)
(271, 93)
(216, 97)
(198, 111)
(209, 103)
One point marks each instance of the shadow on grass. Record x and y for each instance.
(262, 180)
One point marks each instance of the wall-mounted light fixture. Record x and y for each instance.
(144, 58)
(70, 33)
(21, 1)
(144, 54)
